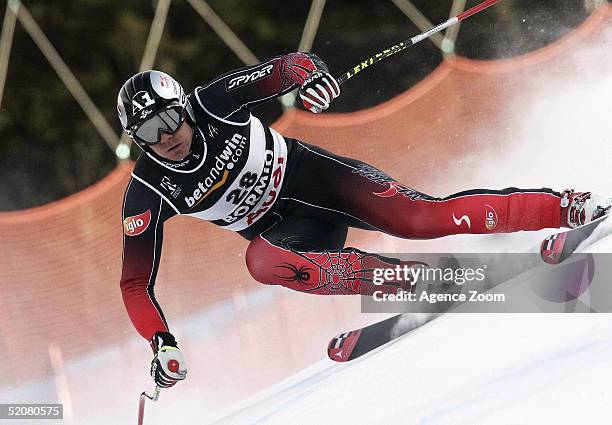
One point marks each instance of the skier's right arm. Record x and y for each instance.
(144, 213)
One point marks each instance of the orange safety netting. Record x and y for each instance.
(60, 263)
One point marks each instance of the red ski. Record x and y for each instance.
(556, 248)
(351, 345)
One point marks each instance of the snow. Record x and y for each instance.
(459, 369)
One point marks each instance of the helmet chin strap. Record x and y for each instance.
(190, 115)
(190, 120)
(193, 142)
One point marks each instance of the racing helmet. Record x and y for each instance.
(150, 103)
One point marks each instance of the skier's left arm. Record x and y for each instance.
(232, 95)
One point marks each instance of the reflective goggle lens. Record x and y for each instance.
(167, 121)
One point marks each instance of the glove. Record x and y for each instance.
(318, 90)
(168, 365)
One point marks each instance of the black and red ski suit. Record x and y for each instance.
(293, 201)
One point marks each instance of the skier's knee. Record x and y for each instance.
(403, 227)
(258, 261)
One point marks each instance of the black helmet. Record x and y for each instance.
(149, 103)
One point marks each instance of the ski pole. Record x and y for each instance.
(412, 41)
(143, 398)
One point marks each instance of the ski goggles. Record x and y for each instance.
(168, 120)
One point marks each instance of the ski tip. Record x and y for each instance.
(551, 250)
(341, 347)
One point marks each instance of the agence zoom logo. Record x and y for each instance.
(249, 77)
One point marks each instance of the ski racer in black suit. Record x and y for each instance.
(205, 155)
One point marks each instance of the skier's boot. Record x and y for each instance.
(580, 208)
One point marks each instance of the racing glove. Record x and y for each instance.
(168, 365)
(317, 86)
(318, 90)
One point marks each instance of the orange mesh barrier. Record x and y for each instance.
(60, 263)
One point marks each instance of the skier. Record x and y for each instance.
(205, 155)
